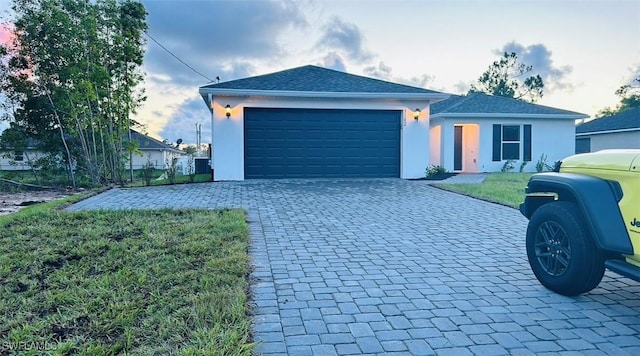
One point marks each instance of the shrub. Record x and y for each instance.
(147, 171)
(542, 164)
(172, 168)
(522, 165)
(434, 170)
(191, 168)
(508, 165)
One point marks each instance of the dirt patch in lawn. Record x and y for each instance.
(10, 202)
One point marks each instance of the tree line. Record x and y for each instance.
(71, 81)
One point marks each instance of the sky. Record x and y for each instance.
(584, 50)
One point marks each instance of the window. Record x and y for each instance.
(583, 144)
(510, 142)
(18, 156)
(507, 141)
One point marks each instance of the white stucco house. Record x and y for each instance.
(479, 132)
(150, 149)
(19, 160)
(316, 122)
(616, 131)
(155, 151)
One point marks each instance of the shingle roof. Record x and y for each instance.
(317, 79)
(149, 143)
(629, 119)
(480, 103)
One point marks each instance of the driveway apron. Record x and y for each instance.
(389, 266)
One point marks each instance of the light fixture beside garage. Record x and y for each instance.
(228, 110)
(416, 114)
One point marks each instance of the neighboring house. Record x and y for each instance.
(152, 150)
(616, 131)
(480, 132)
(19, 160)
(316, 122)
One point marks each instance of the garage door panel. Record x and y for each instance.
(297, 143)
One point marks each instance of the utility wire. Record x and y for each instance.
(178, 58)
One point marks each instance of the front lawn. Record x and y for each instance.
(113, 282)
(505, 188)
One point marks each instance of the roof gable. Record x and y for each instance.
(480, 104)
(149, 143)
(317, 79)
(625, 120)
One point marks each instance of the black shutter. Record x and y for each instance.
(497, 142)
(526, 149)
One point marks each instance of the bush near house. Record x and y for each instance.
(115, 282)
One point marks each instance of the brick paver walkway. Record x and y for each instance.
(388, 266)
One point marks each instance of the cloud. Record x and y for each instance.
(461, 87)
(384, 72)
(633, 76)
(182, 124)
(219, 34)
(539, 57)
(333, 60)
(345, 37)
(381, 71)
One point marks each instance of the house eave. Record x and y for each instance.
(509, 116)
(608, 131)
(160, 149)
(208, 93)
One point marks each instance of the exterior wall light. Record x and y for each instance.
(228, 110)
(416, 114)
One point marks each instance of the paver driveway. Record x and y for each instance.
(385, 266)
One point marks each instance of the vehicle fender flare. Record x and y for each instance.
(595, 197)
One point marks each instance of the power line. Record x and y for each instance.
(176, 57)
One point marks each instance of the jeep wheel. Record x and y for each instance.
(561, 253)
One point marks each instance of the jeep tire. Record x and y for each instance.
(561, 253)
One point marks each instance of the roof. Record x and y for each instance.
(149, 143)
(311, 80)
(626, 120)
(480, 104)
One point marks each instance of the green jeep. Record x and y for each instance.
(584, 217)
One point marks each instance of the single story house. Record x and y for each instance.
(621, 130)
(480, 132)
(152, 150)
(19, 160)
(316, 122)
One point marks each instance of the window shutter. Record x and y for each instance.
(497, 142)
(526, 148)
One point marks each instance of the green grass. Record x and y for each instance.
(502, 188)
(113, 282)
(62, 179)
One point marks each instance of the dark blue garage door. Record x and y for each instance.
(319, 143)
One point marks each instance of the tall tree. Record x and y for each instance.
(629, 95)
(510, 78)
(74, 68)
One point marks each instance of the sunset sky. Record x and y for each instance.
(584, 50)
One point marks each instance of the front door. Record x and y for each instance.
(457, 148)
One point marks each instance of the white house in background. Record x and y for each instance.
(617, 131)
(150, 150)
(480, 132)
(19, 160)
(155, 151)
(316, 122)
